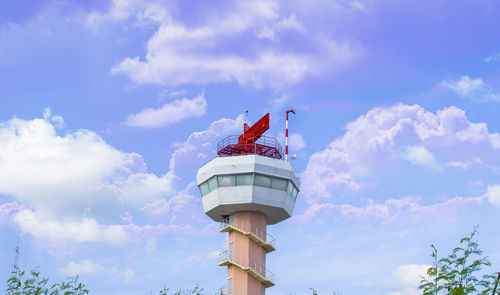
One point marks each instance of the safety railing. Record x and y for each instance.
(248, 227)
(247, 263)
(265, 146)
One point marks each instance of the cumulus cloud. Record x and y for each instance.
(169, 113)
(9, 209)
(173, 206)
(57, 120)
(297, 142)
(374, 138)
(209, 50)
(90, 267)
(388, 211)
(73, 182)
(411, 274)
(494, 194)
(474, 89)
(419, 155)
(201, 146)
(81, 268)
(79, 231)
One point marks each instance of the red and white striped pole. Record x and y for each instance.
(286, 133)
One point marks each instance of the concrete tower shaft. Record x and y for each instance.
(246, 259)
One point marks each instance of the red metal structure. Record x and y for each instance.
(251, 142)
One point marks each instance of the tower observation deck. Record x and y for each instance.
(246, 188)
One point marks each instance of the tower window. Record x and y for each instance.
(279, 183)
(262, 180)
(294, 193)
(226, 180)
(230, 180)
(244, 179)
(212, 183)
(204, 188)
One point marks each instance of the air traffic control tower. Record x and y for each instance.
(245, 188)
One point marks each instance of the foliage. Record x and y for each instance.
(20, 284)
(456, 273)
(314, 292)
(17, 284)
(195, 291)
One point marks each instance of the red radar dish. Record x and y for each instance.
(251, 142)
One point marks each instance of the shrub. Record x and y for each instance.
(456, 273)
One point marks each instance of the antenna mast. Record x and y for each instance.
(291, 110)
(16, 260)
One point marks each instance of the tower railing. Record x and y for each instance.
(264, 146)
(247, 263)
(248, 227)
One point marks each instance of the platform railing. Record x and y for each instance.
(248, 227)
(267, 146)
(246, 262)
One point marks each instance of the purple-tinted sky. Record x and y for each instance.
(108, 108)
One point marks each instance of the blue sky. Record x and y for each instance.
(108, 108)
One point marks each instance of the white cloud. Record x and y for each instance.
(494, 194)
(58, 121)
(297, 142)
(177, 93)
(410, 275)
(84, 267)
(173, 206)
(201, 146)
(127, 274)
(209, 51)
(356, 5)
(73, 182)
(79, 231)
(372, 140)
(419, 155)
(188, 156)
(214, 254)
(493, 58)
(9, 209)
(89, 267)
(169, 113)
(464, 165)
(388, 211)
(474, 89)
